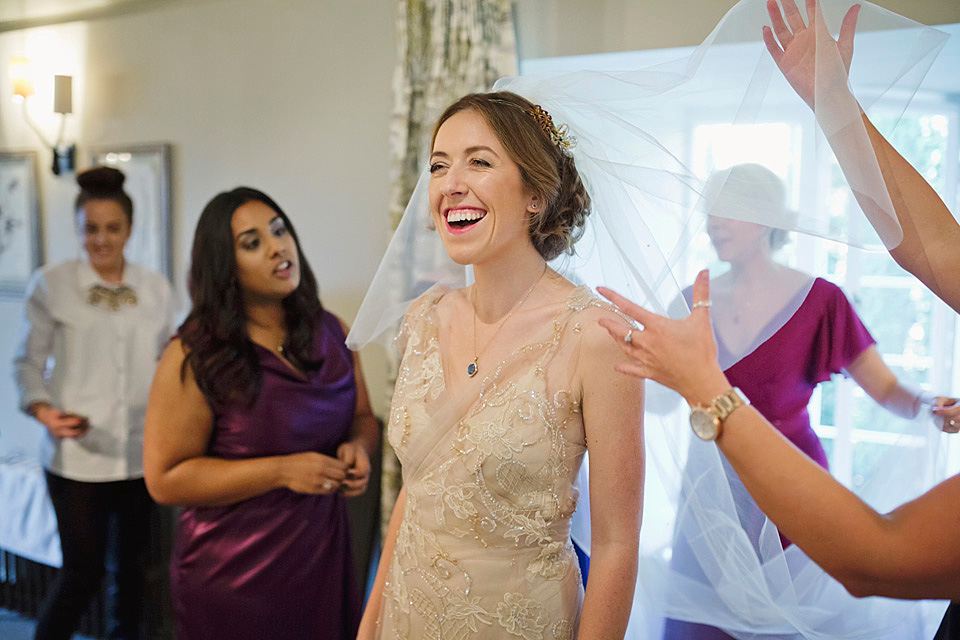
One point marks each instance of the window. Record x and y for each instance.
(915, 331)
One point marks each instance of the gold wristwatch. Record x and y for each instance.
(707, 422)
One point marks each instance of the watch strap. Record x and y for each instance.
(725, 403)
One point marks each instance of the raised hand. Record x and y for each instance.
(793, 44)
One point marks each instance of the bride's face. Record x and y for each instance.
(479, 202)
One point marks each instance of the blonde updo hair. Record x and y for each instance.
(754, 193)
(545, 170)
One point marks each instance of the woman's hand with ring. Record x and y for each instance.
(679, 354)
(311, 472)
(946, 414)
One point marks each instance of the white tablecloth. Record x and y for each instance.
(28, 525)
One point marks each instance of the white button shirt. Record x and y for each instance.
(94, 361)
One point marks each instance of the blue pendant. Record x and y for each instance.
(472, 369)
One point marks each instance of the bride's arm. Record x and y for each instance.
(613, 421)
(368, 624)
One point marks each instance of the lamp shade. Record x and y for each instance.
(22, 77)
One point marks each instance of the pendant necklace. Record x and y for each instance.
(474, 367)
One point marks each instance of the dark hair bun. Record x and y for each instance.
(101, 181)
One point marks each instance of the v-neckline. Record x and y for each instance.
(286, 364)
(758, 340)
(480, 378)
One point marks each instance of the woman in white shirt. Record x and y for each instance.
(94, 328)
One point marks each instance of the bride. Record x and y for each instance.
(503, 386)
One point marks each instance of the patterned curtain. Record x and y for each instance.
(445, 48)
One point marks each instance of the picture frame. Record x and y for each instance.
(147, 171)
(21, 232)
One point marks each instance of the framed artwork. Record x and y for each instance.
(21, 246)
(147, 168)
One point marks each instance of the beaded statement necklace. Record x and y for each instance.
(474, 366)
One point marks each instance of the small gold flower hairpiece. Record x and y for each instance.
(560, 136)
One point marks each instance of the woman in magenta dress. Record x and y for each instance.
(779, 334)
(259, 424)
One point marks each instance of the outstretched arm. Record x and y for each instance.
(931, 235)
(908, 553)
(898, 397)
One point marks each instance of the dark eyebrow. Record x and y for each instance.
(468, 150)
(254, 229)
(480, 147)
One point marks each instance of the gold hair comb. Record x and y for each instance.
(560, 136)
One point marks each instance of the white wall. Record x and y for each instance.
(572, 27)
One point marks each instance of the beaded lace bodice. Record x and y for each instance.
(484, 549)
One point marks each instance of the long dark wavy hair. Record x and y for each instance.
(219, 350)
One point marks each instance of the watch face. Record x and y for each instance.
(704, 424)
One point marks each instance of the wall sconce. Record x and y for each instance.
(64, 155)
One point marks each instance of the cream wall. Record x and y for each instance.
(290, 96)
(572, 27)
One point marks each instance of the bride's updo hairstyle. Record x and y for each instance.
(103, 183)
(541, 151)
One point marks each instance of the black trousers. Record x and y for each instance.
(950, 626)
(88, 515)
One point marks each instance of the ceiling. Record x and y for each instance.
(24, 14)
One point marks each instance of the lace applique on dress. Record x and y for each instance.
(484, 549)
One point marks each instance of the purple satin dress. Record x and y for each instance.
(277, 565)
(822, 337)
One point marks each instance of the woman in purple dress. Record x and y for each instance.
(779, 333)
(259, 424)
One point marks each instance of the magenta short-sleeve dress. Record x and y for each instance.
(819, 340)
(277, 565)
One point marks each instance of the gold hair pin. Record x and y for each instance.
(560, 136)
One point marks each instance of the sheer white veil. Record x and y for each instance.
(636, 155)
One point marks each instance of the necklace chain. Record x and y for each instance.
(474, 367)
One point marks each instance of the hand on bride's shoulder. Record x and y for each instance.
(599, 354)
